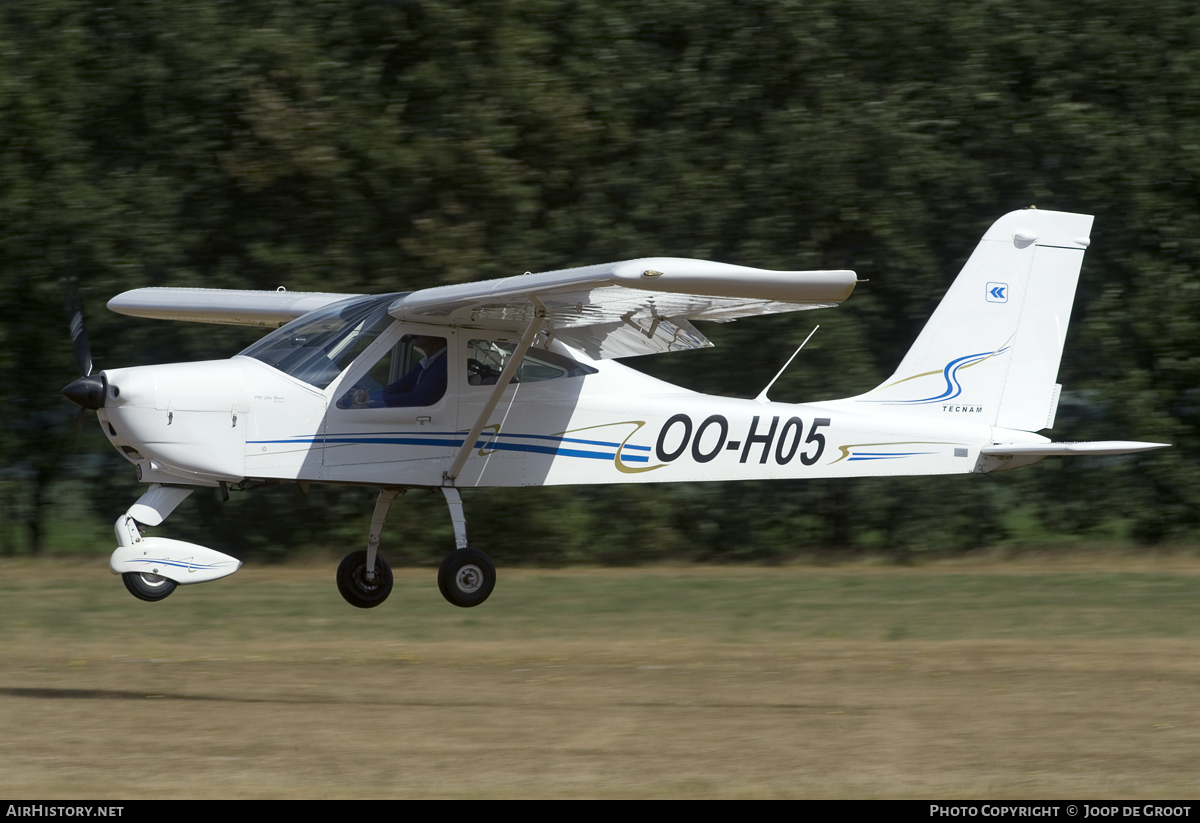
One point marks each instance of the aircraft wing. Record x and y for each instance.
(632, 307)
(230, 306)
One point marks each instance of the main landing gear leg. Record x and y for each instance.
(467, 576)
(454, 501)
(364, 578)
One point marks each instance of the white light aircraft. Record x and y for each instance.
(512, 382)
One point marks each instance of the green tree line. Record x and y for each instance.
(372, 146)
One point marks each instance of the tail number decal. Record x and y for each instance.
(712, 438)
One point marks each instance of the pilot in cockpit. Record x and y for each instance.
(423, 384)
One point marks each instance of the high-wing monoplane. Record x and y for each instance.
(513, 382)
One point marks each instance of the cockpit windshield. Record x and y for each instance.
(316, 348)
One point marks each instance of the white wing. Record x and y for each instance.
(613, 310)
(230, 306)
(631, 307)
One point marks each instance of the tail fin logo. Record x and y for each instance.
(951, 387)
(997, 292)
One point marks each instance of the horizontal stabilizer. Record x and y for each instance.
(1061, 449)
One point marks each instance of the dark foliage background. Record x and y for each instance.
(365, 145)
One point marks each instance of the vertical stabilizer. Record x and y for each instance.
(991, 350)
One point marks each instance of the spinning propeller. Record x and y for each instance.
(87, 391)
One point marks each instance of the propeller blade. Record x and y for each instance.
(83, 352)
(79, 340)
(86, 391)
(77, 432)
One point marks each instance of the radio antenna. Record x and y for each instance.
(762, 395)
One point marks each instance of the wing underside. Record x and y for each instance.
(631, 308)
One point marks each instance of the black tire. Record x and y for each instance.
(466, 577)
(353, 584)
(147, 586)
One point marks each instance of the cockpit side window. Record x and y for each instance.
(486, 359)
(411, 373)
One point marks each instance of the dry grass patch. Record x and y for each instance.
(660, 683)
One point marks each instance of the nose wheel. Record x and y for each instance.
(466, 577)
(147, 586)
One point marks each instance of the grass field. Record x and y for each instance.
(1037, 678)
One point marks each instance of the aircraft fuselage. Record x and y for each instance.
(229, 420)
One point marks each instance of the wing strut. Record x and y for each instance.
(506, 376)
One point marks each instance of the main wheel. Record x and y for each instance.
(466, 577)
(352, 580)
(147, 586)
